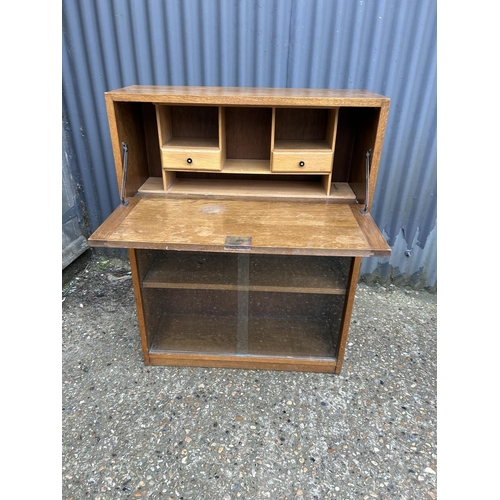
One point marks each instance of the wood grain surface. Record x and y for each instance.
(247, 96)
(277, 227)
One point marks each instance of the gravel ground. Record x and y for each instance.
(133, 431)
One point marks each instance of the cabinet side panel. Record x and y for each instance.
(331, 131)
(137, 267)
(365, 126)
(344, 143)
(115, 140)
(129, 128)
(348, 306)
(163, 124)
(151, 140)
(222, 136)
(377, 151)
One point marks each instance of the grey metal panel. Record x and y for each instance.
(73, 241)
(387, 47)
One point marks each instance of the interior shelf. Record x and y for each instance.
(294, 337)
(236, 166)
(191, 143)
(267, 273)
(248, 188)
(192, 270)
(340, 191)
(301, 145)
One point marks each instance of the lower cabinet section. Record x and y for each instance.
(241, 310)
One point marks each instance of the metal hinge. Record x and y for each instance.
(367, 193)
(124, 173)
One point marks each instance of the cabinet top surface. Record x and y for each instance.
(249, 96)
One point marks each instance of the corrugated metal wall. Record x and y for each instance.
(385, 46)
(73, 241)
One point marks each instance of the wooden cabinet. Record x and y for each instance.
(246, 212)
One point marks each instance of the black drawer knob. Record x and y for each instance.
(301, 163)
(189, 160)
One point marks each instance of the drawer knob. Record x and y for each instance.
(189, 160)
(301, 163)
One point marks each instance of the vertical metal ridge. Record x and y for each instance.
(387, 47)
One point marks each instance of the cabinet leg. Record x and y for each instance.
(348, 305)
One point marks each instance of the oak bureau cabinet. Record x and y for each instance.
(246, 212)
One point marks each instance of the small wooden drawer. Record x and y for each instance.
(298, 162)
(191, 160)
